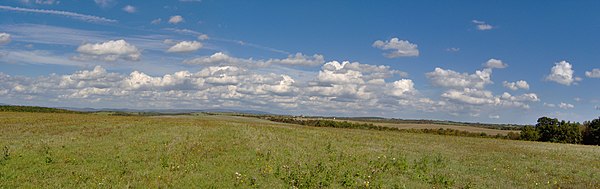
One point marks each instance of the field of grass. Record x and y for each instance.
(471, 129)
(218, 151)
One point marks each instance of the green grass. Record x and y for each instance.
(216, 151)
(472, 129)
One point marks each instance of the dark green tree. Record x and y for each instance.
(548, 129)
(529, 133)
(551, 130)
(591, 134)
(570, 133)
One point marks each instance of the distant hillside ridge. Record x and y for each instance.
(11, 108)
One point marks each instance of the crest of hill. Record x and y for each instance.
(11, 108)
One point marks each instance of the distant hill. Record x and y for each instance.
(166, 111)
(10, 108)
(238, 111)
(419, 121)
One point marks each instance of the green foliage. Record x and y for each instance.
(529, 133)
(551, 130)
(591, 133)
(5, 156)
(513, 136)
(570, 133)
(7, 108)
(548, 129)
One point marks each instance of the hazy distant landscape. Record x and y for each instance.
(58, 148)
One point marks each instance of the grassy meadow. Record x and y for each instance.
(472, 129)
(216, 151)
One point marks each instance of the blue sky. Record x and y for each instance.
(499, 62)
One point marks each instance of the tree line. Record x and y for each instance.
(546, 130)
(553, 130)
(10, 108)
(371, 126)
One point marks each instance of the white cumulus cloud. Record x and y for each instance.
(472, 96)
(566, 105)
(354, 72)
(550, 105)
(352, 81)
(129, 9)
(4, 38)
(217, 58)
(453, 79)
(397, 48)
(466, 93)
(516, 85)
(481, 25)
(203, 37)
(109, 51)
(481, 97)
(342, 88)
(156, 21)
(453, 49)
(595, 73)
(495, 63)
(562, 73)
(185, 46)
(221, 58)
(176, 19)
(300, 60)
(402, 87)
(561, 105)
(104, 3)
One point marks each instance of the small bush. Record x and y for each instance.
(529, 133)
